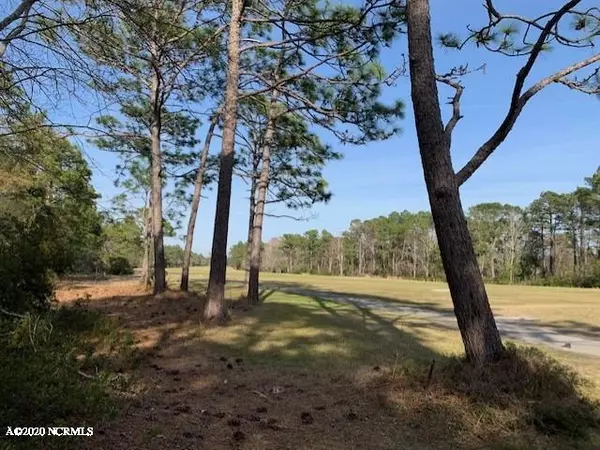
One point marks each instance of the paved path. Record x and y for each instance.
(517, 328)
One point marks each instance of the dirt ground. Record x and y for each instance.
(201, 388)
(193, 398)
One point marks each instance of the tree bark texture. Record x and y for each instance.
(160, 280)
(261, 197)
(251, 213)
(146, 278)
(215, 303)
(473, 313)
(197, 195)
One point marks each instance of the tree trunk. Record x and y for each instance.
(251, 216)
(215, 301)
(493, 261)
(552, 255)
(198, 185)
(374, 260)
(474, 316)
(160, 280)
(582, 249)
(262, 187)
(543, 250)
(341, 256)
(415, 252)
(146, 279)
(511, 267)
(360, 256)
(426, 264)
(574, 245)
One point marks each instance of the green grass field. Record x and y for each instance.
(551, 305)
(560, 308)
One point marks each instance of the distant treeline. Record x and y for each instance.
(554, 241)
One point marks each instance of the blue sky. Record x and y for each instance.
(554, 145)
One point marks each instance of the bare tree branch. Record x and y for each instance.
(287, 216)
(519, 99)
(22, 9)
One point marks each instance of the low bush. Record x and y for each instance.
(58, 369)
(25, 275)
(119, 266)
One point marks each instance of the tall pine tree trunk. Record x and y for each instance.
(543, 250)
(198, 185)
(474, 316)
(160, 281)
(582, 249)
(251, 215)
(552, 252)
(415, 253)
(146, 279)
(341, 256)
(261, 197)
(360, 257)
(574, 246)
(215, 302)
(511, 267)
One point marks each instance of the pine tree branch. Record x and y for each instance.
(455, 102)
(500, 135)
(22, 10)
(519, 100)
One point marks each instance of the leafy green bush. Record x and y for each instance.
(119, 266)
(25, 276)
(581, 281)
(49, 374)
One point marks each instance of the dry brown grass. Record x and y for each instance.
(301, 373)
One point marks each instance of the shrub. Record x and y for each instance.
(42, 368)
(25, 275)
(119, 266)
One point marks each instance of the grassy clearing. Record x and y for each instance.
(568, 307)
(559, 308)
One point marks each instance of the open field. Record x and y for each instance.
(551, 305)
(303, 372)
(564, 310)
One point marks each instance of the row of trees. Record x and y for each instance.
(159, 66)
(268, 75)
(555, 240)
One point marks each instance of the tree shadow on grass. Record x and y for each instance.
(285, 358)
(571, 335)
(306, 372)
(575, 328)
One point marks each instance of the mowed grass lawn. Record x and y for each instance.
(551, 305)
(572, 309)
